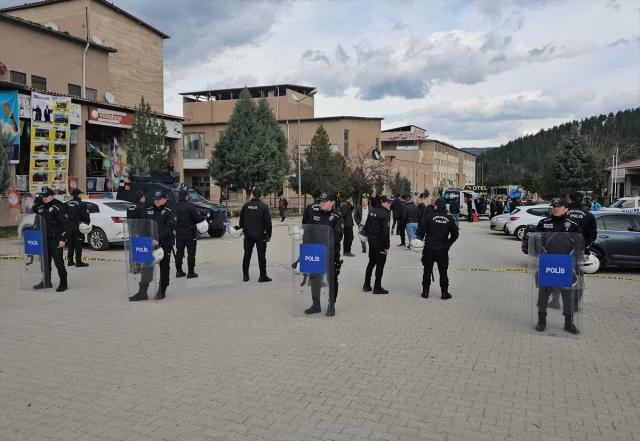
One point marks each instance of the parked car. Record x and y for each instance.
(618, 241)
(499, 221)
(628, 204)
(523, 216)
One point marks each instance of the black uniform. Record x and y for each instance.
(586, 221)
(396, 209)
(255, 221)
(347, 218)
(469, 210)
(557, 244)
(401, 224)
(165, 218)
(421, 211)
(186, 236)
(57, 225)
(441, 232)
(377, 231)
(77, 211)
(136, 211)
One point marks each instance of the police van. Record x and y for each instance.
(480, 203)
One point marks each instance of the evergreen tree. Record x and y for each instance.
(6, 151)
(572, 163)
(359, 183)
(399, 185)
(271, 163)
(147, 150)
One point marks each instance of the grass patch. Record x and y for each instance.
(8, 232)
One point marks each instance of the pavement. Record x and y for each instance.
(219, 359)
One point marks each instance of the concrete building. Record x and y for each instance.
(45, 47)
(626, 180)
(206, 114)
(427, 162)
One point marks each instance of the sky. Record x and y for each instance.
(472, 73)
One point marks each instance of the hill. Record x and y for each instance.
(477, 150)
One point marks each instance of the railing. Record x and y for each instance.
(192, 154)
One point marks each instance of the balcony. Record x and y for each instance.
(193, 159)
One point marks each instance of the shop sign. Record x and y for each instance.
(174, 128)
(107, 117)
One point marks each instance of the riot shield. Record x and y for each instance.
(142, 273)
(312, 269)
(555, 262)
(35, 267)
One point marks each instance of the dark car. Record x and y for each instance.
(216, 214)
(618, 241)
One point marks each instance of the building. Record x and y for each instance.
(427, 163)
(70, 48)
(206, 114)
(624, 180)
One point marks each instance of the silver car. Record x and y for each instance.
(499, 222)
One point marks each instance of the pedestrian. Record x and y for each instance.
(360, 217)
(506, 206)
(492, 208)
(499, 206)
(558, 222)
(77, 211)
(347, 220)
(283, 204)
(410, 219)
(441, 232)
(469, 201)
(186, 234)
(255, 221)
(57, 234)
(401, 220)
(421, 207)
(323, 213)
(454, 210)
(377, 231)
(583, 218)
(396, 210)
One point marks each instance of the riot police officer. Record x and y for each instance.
(57, 224)
(255, 221)
(136, 211)
(441, 232)
(583, 218)
(165, 218)
(77, 211)
(186, 235)
(377, 231)
(323, 213)
(558, 222)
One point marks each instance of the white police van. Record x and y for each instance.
(480, 203)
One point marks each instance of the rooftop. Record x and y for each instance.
(404, 129)
(256, 91)
(321, 118)
(631, 164)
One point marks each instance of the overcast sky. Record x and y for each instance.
(471, 73)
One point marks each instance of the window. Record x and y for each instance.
(93, 208)
(74, 90)
(18, 77)
(38, 82)
(194, 146)
(91, 94)
(542, 212)
(346, 143)
(617, 223)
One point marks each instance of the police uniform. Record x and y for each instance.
(136, 211)
(347, 221)
(557, 244)
(584, 219)
(77, 211)
(331, 218)
(441, 232)
(186, 235)
(377, 231)
(255, 221)
(57, 225)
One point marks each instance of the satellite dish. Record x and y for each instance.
(97, 40)
(110, 97)
(51, 25)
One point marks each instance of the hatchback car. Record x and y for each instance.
(523, 216)
(498, 222)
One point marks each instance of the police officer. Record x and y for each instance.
(409, 219)
(57, 225)
(77, 211)
(136, 211)
(255, 221)
(583, 218)
(558, 222)
(441, 231)
(377, 231)
(323, 213)
(422, 207)
(186, 235)
(165, 218)
(347, 221)
(401, 219)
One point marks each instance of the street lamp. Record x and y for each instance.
(299, 100)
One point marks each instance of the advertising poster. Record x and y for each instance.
(10, 121)
(50, 134)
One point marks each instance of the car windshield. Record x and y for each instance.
(194, 196)
(450, 195)
(622, 203)
(118, 206)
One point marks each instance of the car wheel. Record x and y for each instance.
(519, 233)
(98, 240)
(218, 232)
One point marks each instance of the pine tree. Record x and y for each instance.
(271, 165)
(399, 185)
(572, 163)
(147, 150)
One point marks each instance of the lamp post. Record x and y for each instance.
(298, 101)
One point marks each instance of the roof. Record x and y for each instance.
(25, 88)
(322, 118)
(631, 164)
(103, 2)
(58, 34)
(404, 129)
(255, 91)
(425, 139)
(405, 138)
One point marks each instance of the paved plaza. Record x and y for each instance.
(219, 359)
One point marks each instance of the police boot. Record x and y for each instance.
(264, 278)
(425, 292)
(446, 295)
(378, 289)
(161, 294)
(141, 294)
(568, 324)
(542, 321)
(245, 277)
(315, 308)
(555, 301)
(367, 285)
(192, 274)
(331, 309)
(70, 261)
(79, 262)
(180, 273)
(44, 284)
(63, 285)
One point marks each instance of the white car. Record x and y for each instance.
(108, 217)
(628, 204)
(523, 216)
(499, 221)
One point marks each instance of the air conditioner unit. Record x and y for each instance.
(97, 40)
(51, 25)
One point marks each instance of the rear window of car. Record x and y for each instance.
(93, 208)
(617, 223)
(624, 203)
(517, 210)
(542, 212)
(118, 206)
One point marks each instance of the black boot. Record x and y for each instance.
(331, 309)
(79, 262)
(568, 324)
(141, 294)
(44, 284)
(425, 293)
(180, 273)
(245, 278)
(446, 295)
(192, 274)
(70, 261)
(315, 308)
(161, 294)
(63, 285)
(542, 321)
(367, 285)
(264, 278)
(378, 289)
